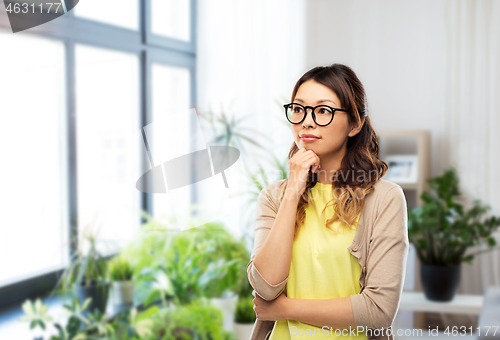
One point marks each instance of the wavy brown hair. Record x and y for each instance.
(360, 168)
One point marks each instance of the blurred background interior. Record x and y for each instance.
(103, 94)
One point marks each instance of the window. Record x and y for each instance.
(74, 95)
(170, 100)
(107, 114)
(170, 23)
(34, 229)
(123, 13)
(170, 18)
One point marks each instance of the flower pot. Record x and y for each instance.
(242, 331)
(122, 292)
(97, 291)
(439, 282)
(228, 306)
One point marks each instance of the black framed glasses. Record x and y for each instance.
(321, 114)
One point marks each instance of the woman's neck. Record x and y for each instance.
(327, 171)
(329, 165)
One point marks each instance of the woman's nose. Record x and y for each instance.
(309, 121)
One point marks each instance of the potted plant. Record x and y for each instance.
(121, 274)
(244, 317)
(196, 320)
(206, 261)
(442, 230)
(128, 325)
(225, 270)
(86, 274)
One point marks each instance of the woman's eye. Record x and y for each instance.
(297, 109)
(324, 111)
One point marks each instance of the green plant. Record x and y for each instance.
(230, 131)
(220, 258)
(128, 325)
(78, 326)
(35, 314)
(442, 229)
(196, 320)
(181, 266)
(156, 285)
(244, 310)
(203, 261)
(246, 289)
(224, 269)
(85, 268)
(148, 255)
(120, 269)
(136, 325)
(149, 244)
(179, 275)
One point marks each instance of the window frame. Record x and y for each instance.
(149, 48)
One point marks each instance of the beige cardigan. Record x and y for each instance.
(380, 244)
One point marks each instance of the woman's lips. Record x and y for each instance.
(308, 139)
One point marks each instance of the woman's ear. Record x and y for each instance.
(355, 130)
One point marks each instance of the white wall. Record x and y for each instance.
(397, 49)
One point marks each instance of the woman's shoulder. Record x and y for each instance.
(384, 185)
(275, 190)
(384, 190)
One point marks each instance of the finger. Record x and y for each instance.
(302, 159)
(299, 156)
(317, 165)
(316, 157)
(314, 168)
(302, 152)
(312, 160)
(317, 161)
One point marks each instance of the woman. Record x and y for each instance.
(331, 240)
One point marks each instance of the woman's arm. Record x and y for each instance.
(335, 313)
(269, 264)
(376, 306)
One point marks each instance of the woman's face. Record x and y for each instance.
(331, 138)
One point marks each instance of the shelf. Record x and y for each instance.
(461, 304)
(415, 143)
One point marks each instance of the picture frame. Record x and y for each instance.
(402, 168)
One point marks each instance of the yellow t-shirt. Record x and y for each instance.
(321, 268)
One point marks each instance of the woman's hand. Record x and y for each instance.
(299, 166)
(270, 310)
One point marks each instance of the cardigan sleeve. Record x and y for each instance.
(265, 215)
(377, 304)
